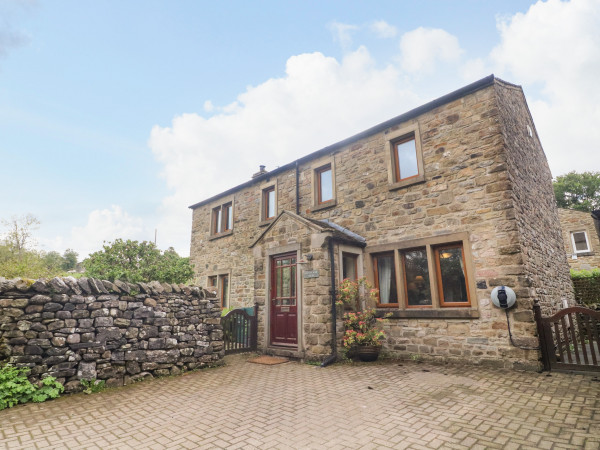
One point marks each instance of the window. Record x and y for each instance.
(580, 242)
(452, 277)
(269, 203)
(385, 279)
(405, 157)
(324, 184)
(212, 281)
(224, 290)
(417, 286)
(425, 274)
(220, 283)
(222, 219)
(349, 266)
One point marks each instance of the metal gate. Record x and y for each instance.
(570, 339)
(240, 331)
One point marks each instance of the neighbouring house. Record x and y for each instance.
(581, 235)
(436, 207)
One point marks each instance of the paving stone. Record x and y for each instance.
(294, 405)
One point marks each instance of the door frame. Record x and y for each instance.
(299, 295)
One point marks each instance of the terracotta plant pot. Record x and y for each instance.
(368, 353)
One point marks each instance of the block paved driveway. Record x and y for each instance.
(294, 405)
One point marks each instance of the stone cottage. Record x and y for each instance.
(581, 236)
(436, 207)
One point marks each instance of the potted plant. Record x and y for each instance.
(362, 334)
(351, 293)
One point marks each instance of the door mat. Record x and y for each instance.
(268, 360)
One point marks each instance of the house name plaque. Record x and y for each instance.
(311, 274)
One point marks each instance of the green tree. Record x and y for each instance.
(53, 261)
(69, 259)
(135, 261)
(580, 191)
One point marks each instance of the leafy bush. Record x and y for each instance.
(586, 284)
(578, 274)
(50, 388)
(135, 261)
(15, 388)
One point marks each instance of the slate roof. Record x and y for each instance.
(338, 232)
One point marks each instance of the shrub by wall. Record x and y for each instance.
(586, 284)
(84, 328)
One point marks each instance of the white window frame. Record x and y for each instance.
(587, 241)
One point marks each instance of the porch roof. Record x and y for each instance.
(338, 232)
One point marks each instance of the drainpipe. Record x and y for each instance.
(331, 358)
(297, 190)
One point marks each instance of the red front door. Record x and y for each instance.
(284, 309)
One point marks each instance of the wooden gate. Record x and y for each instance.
(570, 339)
(240, 331)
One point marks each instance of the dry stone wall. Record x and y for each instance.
(84, 328)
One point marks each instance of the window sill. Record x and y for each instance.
(322, 206)
(464, 313)
(407, 182)
(220, 235)
(584, 254)
(264, 223)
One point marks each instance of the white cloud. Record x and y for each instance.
(321, 100)
(422, 48)
(342, 33)
(554, 48)
(104, 225)
(318, 102)
(383, 29)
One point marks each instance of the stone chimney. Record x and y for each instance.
(261, 171)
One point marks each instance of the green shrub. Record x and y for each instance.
(15, 388)
(579, 274)
(92, 386)
(50, 388)
(586, 284)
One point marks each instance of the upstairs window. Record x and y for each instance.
(222, 219)
(269, 203)
(324, 184)
(404, 157)
(580, 242)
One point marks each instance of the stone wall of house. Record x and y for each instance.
(570, 221)
(540, 263)
(84, 328)
(468, 187)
